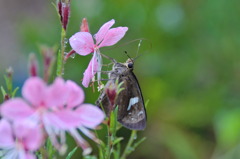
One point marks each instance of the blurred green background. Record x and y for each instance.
(189, 68)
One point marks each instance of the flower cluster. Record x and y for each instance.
(46, 110)
(51, 111)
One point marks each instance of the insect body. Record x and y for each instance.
(131, 109)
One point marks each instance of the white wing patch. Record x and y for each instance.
(132, 101)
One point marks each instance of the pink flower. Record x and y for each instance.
(83, 44)
(20, 140)
(58, 107)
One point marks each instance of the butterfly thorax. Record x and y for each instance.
(121, 69)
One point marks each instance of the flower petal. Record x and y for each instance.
(81, 142)
(57, 93)
(30, 135)
(64, 119)
(76, 94)
(29, 155)
(113, 36)
(53, 136)
(16, 109)
(90, 115)
(90, 72)
(6, 139)
(24, 154)
(82, 43)
(99, 36)
(34, 90)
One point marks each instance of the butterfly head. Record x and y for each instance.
(129, 63)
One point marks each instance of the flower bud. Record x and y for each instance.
(84, 26)
(60, 10)
(33, 65)
(9, 72)
(48, 60)
(111, 91)
(6, 97)
(64, 12)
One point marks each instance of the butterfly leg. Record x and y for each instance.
(110, 58)
(104, 72)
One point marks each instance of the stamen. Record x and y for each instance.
(89, 134)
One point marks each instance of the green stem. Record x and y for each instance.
(60, 61)
(129, 144)
(109, 145)
(112, 123)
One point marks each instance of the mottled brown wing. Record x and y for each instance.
(131, 109)
(103, 101)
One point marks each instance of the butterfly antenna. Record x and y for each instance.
(128, 56)
(137, 57)
(139, 44)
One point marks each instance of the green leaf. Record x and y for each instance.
(14, 92)
(138, 142)
(119, 89)
(3, 91)
(116, 152)
(8, 83)
(146, 103)
(50, 149)
(70, 154)
(117, 140)
(90, 157)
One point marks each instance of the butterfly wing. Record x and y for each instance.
(131, 109)
(103, 101)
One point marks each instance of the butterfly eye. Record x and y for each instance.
(130, 65)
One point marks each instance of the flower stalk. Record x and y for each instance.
(60, 61)
(64, 12)
(111, 127)
(129, 144)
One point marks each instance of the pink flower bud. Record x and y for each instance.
(6, 97)
(84, 26)
(48, 59)
(65, 14)
(60, 9)
(33, 65)
(111, 91)
(9, 72)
